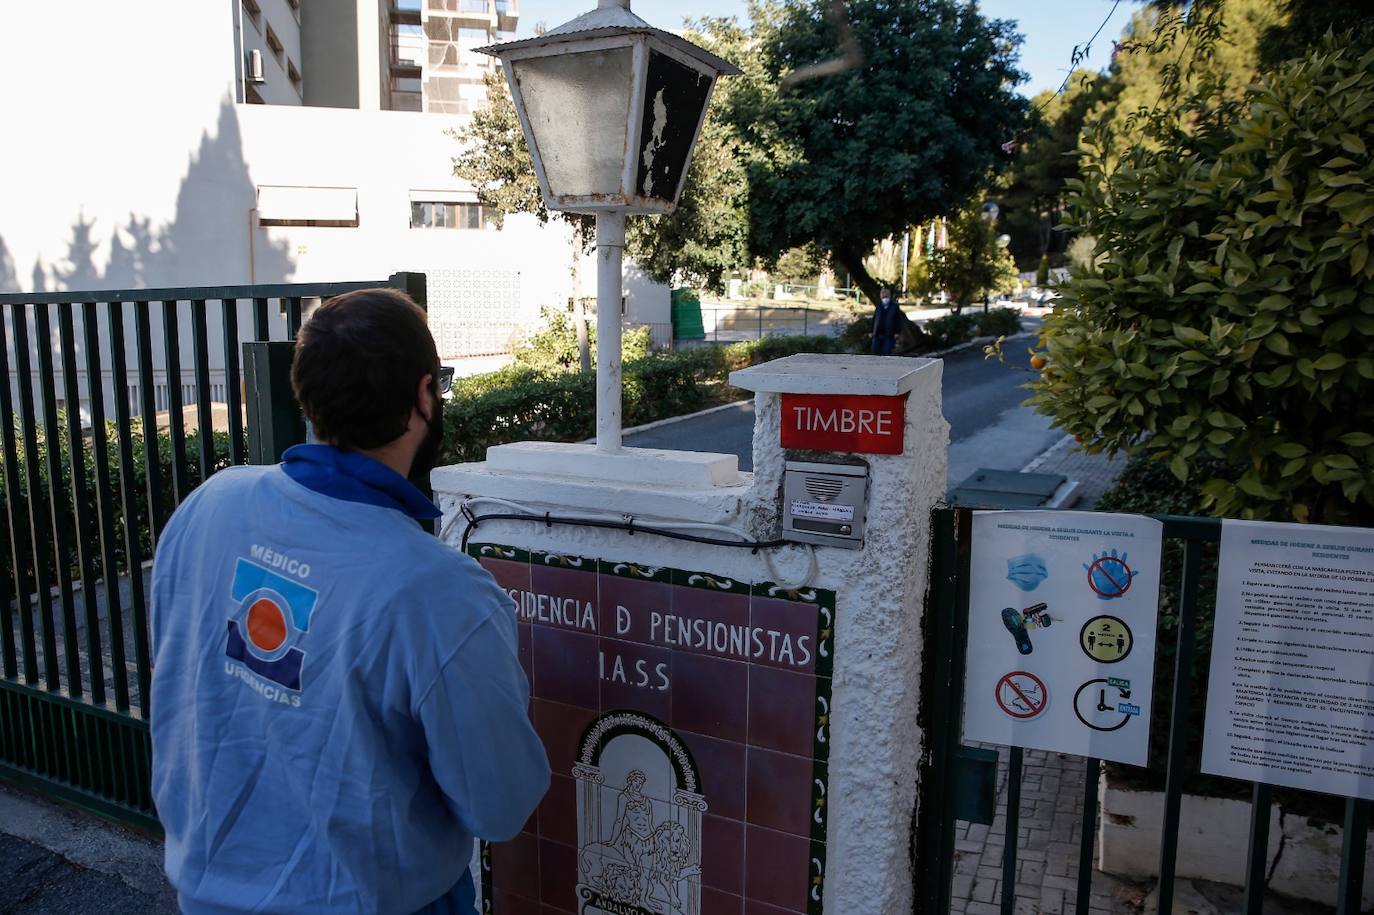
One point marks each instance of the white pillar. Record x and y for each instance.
(610, 244)
(866, 710)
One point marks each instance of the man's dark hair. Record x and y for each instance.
(358, 360)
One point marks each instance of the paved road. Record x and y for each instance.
(39, 882)
(982, 402)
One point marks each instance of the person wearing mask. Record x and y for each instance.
(338, 709)
(888, 323)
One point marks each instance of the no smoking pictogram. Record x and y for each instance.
(1021, 694)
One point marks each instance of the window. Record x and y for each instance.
(439, 214)
(293, 74)
(473, 6)
(253, 13)
(274, 43)
(307, 206)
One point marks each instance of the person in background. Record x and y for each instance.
(888, 323)
(338, 709)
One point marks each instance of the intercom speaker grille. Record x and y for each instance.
(824, 489)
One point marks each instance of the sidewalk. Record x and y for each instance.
(1095, 473)
(56, 860)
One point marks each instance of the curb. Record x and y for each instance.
(1039, 461)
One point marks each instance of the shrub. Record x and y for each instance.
(950, 330)
(518, 403)
(87, 497)
(554, 346)
(857, 336)
(1228, 315)
(997, 322)
(1042, 271)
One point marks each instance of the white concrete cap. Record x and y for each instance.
(630, 466)
(820, 373)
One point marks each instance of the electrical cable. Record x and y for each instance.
(632, 525)
(627, 525)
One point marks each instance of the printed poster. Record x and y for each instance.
(1290, 699)
(1061, 632)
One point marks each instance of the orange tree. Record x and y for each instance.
(1229, 312)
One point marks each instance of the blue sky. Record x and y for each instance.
(1051, 27)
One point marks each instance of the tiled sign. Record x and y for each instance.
(686, 718)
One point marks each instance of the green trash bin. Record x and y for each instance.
(686, 310)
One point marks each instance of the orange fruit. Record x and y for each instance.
(1037, 362)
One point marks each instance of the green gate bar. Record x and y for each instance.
(62, 732)
(946, 644)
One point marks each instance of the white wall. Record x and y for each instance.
(148, 177)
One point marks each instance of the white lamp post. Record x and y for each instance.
(611, 108)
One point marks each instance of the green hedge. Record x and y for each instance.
(88, 497)
(526, 404)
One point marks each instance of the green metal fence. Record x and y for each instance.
(945, 776)
(85, 501)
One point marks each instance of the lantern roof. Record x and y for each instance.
(610, 21)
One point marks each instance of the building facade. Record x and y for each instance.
(269, 141)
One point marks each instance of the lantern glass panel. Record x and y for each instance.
(674, 96)
(576, 105)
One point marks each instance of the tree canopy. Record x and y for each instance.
(901, 120)
(1031, 193)
(973, 264)
(904, 128)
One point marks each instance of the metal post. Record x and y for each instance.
(274, 420)
(906, 250)
(1013, 830)
(610, 244)
(1091, 769)
(1350, 891)
(1257, 859)
(760, 322)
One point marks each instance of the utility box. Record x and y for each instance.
(825, 504)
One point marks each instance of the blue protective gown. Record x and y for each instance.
(338, 708)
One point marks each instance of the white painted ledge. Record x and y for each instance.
(543, 492)
(820, 373)
(631, 466)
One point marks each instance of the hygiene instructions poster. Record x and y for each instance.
(1061, 632)
(1290, 699)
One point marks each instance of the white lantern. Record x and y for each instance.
(611, 108)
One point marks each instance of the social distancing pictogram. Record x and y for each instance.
(1106, 639)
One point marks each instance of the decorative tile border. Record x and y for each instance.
(691, 688)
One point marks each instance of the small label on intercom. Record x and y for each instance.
(820, 511)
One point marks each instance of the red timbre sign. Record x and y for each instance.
(862, 423)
